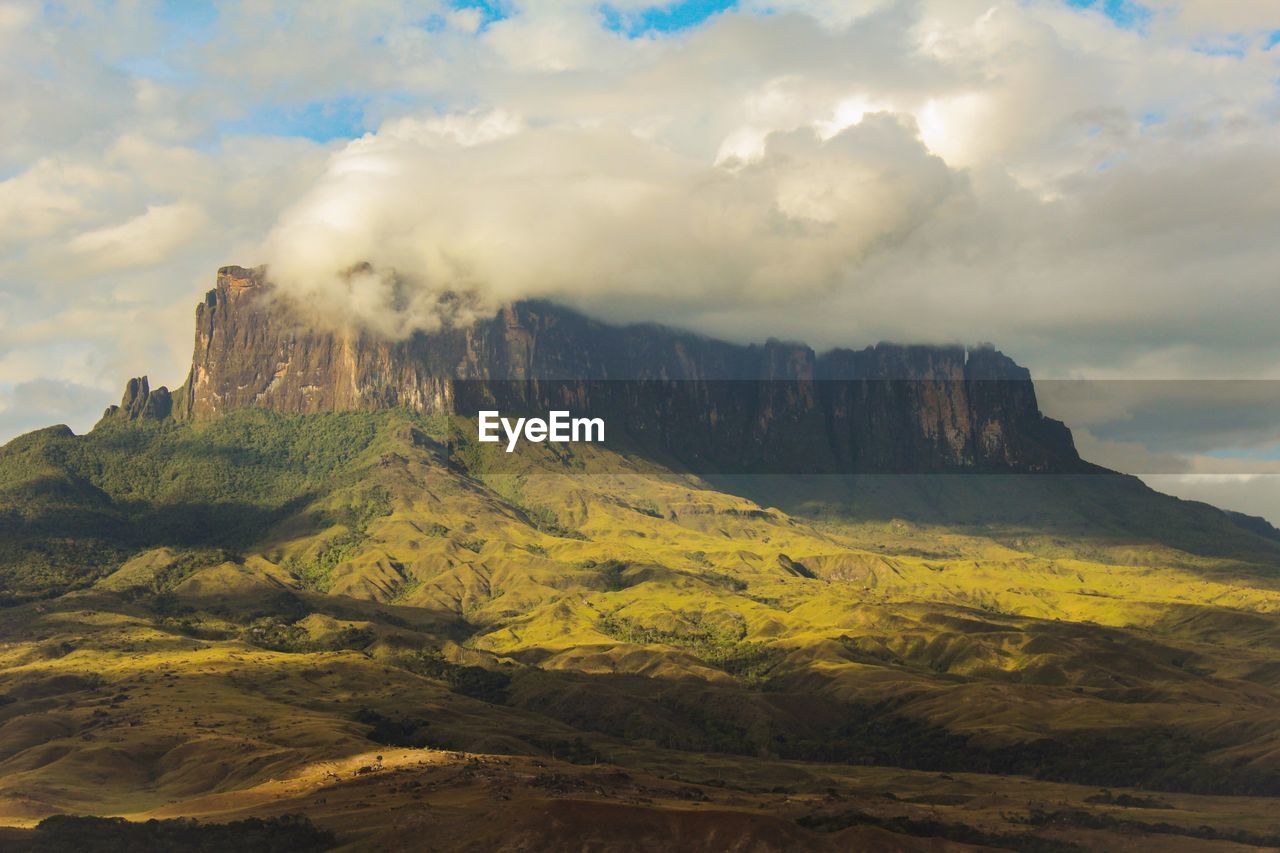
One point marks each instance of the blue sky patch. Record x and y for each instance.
(490, 10)
(1125, 13)
(150, 68)
(192, 19)
(669, 18)
(320, 121)
(1236, 45)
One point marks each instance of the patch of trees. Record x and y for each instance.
(721, 645)
(487, 685)
(286, 834)
(389, 732)
(279, 635)
(934, 828)
(1078, 818)
(73, 508)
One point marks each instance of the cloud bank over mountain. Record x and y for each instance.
(499, 210)
(908, 171)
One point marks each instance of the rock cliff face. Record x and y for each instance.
(141, 403)
(771, 407)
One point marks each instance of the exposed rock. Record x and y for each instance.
(142, 403)
(714, 405)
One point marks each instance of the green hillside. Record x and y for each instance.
(193, 610)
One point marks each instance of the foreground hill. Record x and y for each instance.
(420, 641)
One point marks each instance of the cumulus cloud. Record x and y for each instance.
(107, 254)
(144, 240)
(1218, 16)
(499, 210)
(911, 171)
(1251, 494)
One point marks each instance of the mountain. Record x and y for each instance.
(860, 600)
(889, 428)
(778, 407)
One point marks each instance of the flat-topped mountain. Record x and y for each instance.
(772, 407)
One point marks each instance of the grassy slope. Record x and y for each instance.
(242, 589)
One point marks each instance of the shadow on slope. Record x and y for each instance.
(1086, 514)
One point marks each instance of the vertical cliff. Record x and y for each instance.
(777, 406)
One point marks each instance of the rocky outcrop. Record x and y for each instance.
(142, 403)
(713, 405)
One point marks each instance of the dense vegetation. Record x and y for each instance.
(72, 508)
(722, 645)
(288, 834)
(316, 571)
(1024, 842)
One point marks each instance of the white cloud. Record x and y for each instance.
(43, 402)
(15, 17)
(145, 240)
(1219, 16)
(1251, 494)
(836, 14)
(586, 213)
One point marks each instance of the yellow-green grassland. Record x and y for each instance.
(419, 643)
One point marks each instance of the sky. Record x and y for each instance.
(1092, 186)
